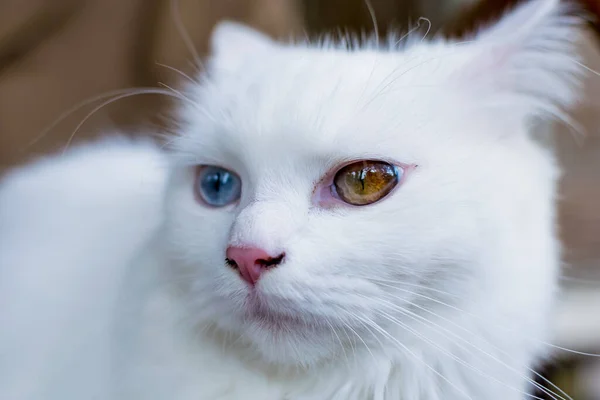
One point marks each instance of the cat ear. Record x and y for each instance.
(529, 58)
(232, 43)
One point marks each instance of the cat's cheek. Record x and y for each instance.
(198, 235)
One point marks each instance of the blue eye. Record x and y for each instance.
(217, 186)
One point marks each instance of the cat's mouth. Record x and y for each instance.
(260, 312)
(275, 321)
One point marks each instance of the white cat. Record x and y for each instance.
(332, 223)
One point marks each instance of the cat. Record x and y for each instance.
(332, 221)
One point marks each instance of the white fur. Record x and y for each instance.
(440, 291)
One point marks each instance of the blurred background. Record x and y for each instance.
(58, 54)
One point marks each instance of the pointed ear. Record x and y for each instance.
(529, 58)
(232, 43)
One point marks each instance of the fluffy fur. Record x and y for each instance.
(112, 276)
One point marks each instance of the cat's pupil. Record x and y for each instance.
(216, 179)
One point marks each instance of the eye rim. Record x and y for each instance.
(325, 194)
(198, 169)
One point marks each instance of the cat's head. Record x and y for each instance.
(320, 191)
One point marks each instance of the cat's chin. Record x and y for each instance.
(279, 339)
(276, 323)
(286, 339)
(287, 343)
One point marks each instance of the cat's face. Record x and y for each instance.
(320, 193)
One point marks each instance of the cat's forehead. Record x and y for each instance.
(313, 103)
(305, 82)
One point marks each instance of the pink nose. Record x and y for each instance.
(251, 262)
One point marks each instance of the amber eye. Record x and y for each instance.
(366, 182)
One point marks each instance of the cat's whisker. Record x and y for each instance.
(587, 68)
(402, 346)
(374, 64)
(373, 19)
(168, 143)
(119, 92)
(385, 81)
(179, 72)
(428, 26)
(412, 284)
(177, 92)
(351, 342)
(402, 38)
(361, 339)
(458, 359)
(437, 327)
(368, 329)
(462, 328)
(408, 33)
(306, 37)
(380, 92)
(419, 318)
(566, 278)
(238, 339)
(512, 331)
(112, 100)
(544, 106)
(195, 67)
(342, 347)
(187, 40)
